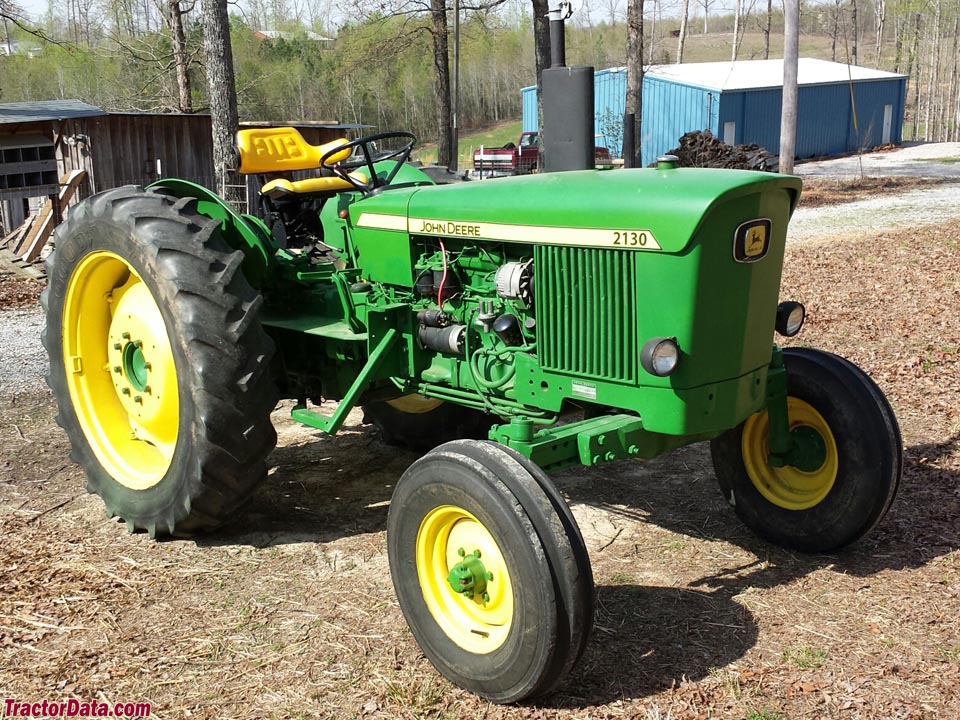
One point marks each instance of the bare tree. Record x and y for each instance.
(635, 71)
(683, 29)
(915, 61)
(706, 5)
(766, 31)
(181, 57)
(788, 113)
(855, 31)
(879, 15)
(836, 29)
(613, 8)
(222, 89)
(441, 80)
(737, 9)
(541, 42)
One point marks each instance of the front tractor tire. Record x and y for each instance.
(490, 570)
(859, 459)
(420, 424)
(158, 362)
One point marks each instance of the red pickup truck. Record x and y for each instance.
(520, 159)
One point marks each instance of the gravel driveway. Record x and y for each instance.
(913, 160)
(23, 363)
(928, 206)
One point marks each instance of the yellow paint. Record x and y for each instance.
(474, 624)
(133, 433)
(756, 241)
(631, 239)
(788, 487)
(282, 149)
(414, 404)
(327, 184)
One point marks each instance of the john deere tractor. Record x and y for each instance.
(507, 328)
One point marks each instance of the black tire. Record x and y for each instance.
(421, 431)
(869, 459)
(217, 359)
(542, 551)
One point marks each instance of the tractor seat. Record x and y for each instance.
(283, 188)
(283, 149)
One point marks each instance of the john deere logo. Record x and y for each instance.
(751, 241)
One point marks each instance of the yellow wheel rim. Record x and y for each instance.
(414, 404)
(479, 624)
(120, 370)
(789, 487)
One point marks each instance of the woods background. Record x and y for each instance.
(373, 63)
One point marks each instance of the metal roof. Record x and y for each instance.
(46, 110)
(764, 74)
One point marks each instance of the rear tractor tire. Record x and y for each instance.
(490, 570)
(860, 459)
(158, 362)
(420, 424)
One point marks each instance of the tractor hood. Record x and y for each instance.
(669, 204)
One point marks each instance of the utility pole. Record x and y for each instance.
(788, 115)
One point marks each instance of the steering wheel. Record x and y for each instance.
(370, 156)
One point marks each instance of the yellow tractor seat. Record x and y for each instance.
(282, 149)
(281, 187)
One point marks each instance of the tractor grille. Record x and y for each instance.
(587, 311)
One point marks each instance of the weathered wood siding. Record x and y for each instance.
(124, 149)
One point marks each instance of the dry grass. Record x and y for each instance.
(289, 612)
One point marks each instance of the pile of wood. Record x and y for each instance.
(701, 148)
(23, 246)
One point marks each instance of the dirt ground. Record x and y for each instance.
(288, 612)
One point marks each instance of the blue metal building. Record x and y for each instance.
(840, 107)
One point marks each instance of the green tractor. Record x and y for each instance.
(507, 328)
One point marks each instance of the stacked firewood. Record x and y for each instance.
(701, 148)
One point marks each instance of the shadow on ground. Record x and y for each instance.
(647, 638)
(678, 492)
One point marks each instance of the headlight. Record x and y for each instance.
(790, 317)
(660, 356)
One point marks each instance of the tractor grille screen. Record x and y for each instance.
(587, 311)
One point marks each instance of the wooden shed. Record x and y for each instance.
(42, 142)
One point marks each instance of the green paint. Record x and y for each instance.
(250, 236)
(135, 366)
(617, 258)
(468, 577)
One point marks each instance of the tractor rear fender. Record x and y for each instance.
(245, 233)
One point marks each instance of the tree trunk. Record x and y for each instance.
(766, 31)
(915, 59)
(635, 71)
(952, 96)
(683, 29)
(181, 57)
(541, 41)
(880, 16)
(788, 116)
(653, 32)
(836, 29)
(898, 26)
(855, 33)
(223, 92)
(736, 29)
(441, 80)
